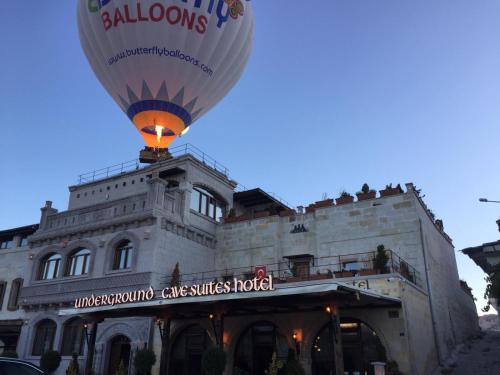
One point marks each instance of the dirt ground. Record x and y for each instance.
(479, 357)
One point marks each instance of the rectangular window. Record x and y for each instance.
(3, 286)
(23, 242)
(15, 291)
(351, 266)
(203, 207)
(7, 244)
(195, 200)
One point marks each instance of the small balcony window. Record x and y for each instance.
(7, 243)
(205, 203)
(79, 263)
(50, 267)
(123, 256)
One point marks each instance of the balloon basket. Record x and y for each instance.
(151, 155)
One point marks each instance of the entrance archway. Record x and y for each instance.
(360, 347)
(119, 352)
(256, 346)
(187, 350)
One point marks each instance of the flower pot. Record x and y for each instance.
(286, 213)
(319, 277)
(343, 274)
(260, 214)
(310, 209)
(387, 192)
(368, 272)
(344, 199)
(324, 203)
(365, 196)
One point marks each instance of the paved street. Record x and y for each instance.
(481, 356)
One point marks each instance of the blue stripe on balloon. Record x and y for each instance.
(159, 105)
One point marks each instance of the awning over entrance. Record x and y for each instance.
(306, 296)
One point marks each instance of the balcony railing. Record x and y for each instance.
(135, 164)
(304, 269)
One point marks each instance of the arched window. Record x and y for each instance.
(187, 351)
(207, 204)
(72, 340)
(119, 353)
(123, 254)
(45, 332)
(79, 263)
(50, 267)
(256, 346)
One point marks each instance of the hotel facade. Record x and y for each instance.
(174, 258)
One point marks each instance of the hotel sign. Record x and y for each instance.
(212, 288)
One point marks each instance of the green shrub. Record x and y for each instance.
(381, 259)
(73, 367)
(293, 366)
(144, 361)
(213, 361)
(50, 361)
(121, 369)
(274, 366)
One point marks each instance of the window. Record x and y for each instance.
(7, 243)
(79, 263)
(3, 286)
(15, 290)
(50, 267)
(44, 336)
(207, 204)
(72, 341)
(23, 241)
(123, 256)
(351, 265)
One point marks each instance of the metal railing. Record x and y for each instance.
(131, 165)
(329, 267)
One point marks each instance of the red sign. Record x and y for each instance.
(260, 272)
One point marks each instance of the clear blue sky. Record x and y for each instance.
(336, 94)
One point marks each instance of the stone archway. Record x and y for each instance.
(187, 350)
(360, 346)
(256, 345)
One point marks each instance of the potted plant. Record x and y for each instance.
(344, 198)
(389, 190)
(50, 361)
(366, 193)
(318, 276)
(73, 367)
(213, 361)
(144, 361)
(260, 214)
(323, 203)
(381, 259)
(275, 366)
(343, 273)
(293, 365)
(392, 368)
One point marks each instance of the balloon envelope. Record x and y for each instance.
(166, 62)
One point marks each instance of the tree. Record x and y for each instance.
(274, 366)
(50, 361)
(381, 259)
(175, 279)
(73, 367)
(121, 369)
(293, 366)
(492, 287)
(144, 361)
(213, 361)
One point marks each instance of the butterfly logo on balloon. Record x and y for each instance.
(236, 8)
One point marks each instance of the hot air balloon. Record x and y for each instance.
(166, 62)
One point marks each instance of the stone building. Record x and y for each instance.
(256, 277)
(13, 256)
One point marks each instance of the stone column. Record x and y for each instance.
(336, 337)
(165, 346)
(90, 347)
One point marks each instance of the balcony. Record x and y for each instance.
(308, 268)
